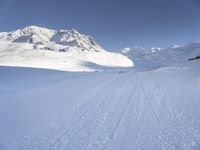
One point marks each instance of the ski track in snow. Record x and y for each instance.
(103, 110)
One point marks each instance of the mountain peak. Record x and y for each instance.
(34, 30)
(34, 27)
(67, 50)
(59, 38)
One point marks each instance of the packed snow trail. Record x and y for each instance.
(52, 110)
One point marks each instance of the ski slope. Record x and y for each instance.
(126, 110)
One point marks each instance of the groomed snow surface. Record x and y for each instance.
(126, 110)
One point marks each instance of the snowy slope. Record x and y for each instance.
(51, 110)
(62, 50)
(152, 107)
(156, 57)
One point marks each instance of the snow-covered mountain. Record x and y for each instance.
(52, 39)
(156, 57)
(63, 50)
(43, 109)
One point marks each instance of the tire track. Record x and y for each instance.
(112, 134)
(95, 115)
(131, 110)
(96, 98)
(150, 103)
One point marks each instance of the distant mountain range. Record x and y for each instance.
(156, 57)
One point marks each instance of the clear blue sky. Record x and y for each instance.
(114, 24)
